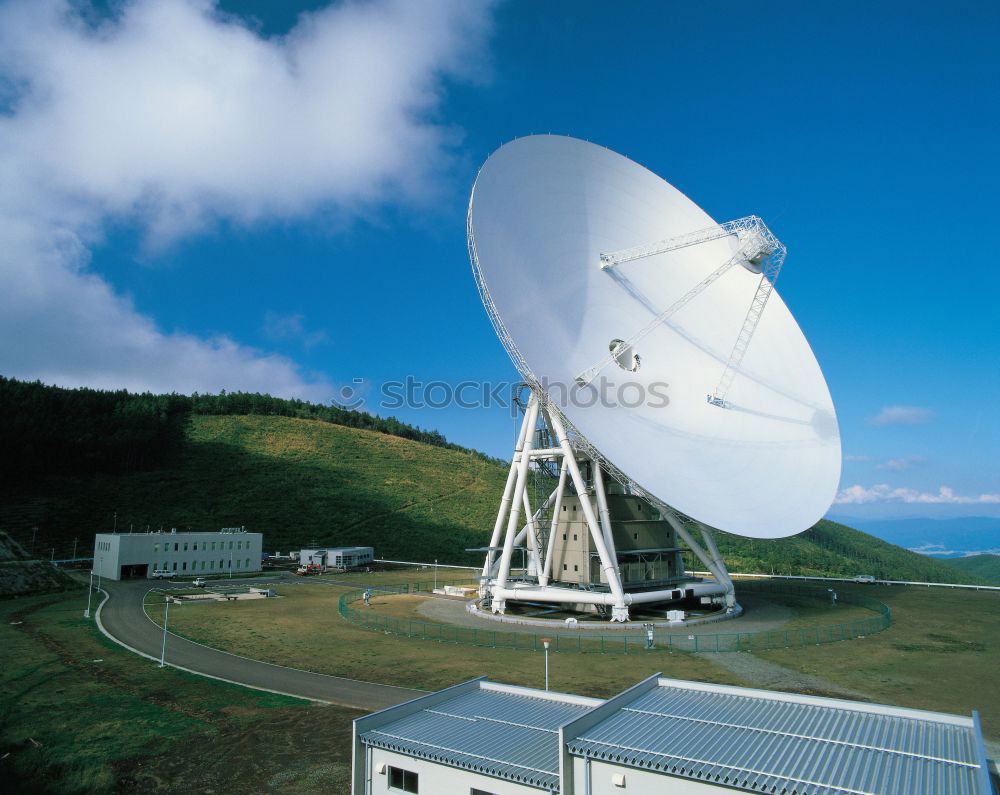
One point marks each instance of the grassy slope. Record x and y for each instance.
(985, 567)
(301, 481)
(79, 714)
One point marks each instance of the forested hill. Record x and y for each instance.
(49, 429)
(83, 460)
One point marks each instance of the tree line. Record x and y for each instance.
(50, 429)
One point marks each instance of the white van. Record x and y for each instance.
(161, 574)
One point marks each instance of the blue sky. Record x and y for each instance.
(864, 134)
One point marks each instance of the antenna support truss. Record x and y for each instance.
(759, 252)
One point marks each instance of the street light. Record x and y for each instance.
(435, 574)
(545, 643)
(90, 591)
(163, 648)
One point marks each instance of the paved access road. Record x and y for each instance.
(122, 617)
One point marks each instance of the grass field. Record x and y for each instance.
(304, 630)
(79, 714)
(940, 653)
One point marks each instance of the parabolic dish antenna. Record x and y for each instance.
(699, 390)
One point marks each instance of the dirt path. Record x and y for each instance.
(767, 675)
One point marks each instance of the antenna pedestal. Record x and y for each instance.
(591, 544)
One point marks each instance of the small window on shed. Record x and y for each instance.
(635, 536)
(574, 536)
(575, 567)
(564, 536)
(565, 567)
(403, 780)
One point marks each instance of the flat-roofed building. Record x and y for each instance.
(337, 557)
(119, 556)
(663, 735)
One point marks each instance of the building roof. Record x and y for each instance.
(497, 730)
(782, 743)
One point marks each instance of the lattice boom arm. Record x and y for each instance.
(740, 225)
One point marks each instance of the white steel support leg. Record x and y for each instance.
(721, 575)
(602, 508)
(530, 418)
(560, 490)
(531, 535)
(713, 549)
(508, 493)
(619, 610)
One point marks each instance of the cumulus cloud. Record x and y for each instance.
(176, 116)
(859, 495)
(902, 463)
(902, 415)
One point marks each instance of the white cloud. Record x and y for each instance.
(177, 116)
(859, 495)
(902, 415)
(902, 463)
(282, 328)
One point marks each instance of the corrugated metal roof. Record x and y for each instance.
(786, 746)
(508, 735)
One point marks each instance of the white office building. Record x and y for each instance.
(120, 556)
(663, 736)
(337, 557)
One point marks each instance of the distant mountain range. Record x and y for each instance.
(941, 538)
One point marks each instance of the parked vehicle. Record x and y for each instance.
(199, 582)
(312, 568)
(867, 578)
(161, 574)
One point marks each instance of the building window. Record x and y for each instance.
(248, 563)
(575, 567)
(156, 548)
(220, 565)
(203, 565)
(574, 536)
(403, 780)
(195, 547)
(564, 507)
(635, 536)
(213, 546)
(564, 536)
(230, 544)
(212, 567)
(175, 547)
(185, 546)
(565, 567)
(184, 566)
(175, 565)
(238, 563)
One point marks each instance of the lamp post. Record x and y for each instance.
(74, 548)
(90, 592)
(435, 574)
(163, 648)
(545, 643)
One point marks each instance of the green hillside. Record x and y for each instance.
(300, 481)
(985, 567)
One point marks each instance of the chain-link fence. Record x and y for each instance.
(624, 642)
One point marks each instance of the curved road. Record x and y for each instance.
(121, 617)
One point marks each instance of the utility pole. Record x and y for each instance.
(74, 547)
(545, 643)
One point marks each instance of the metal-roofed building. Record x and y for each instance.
(337, 557)
(475, 737)
(663, 735)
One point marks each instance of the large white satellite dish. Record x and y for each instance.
(657, 351)
(544, 211)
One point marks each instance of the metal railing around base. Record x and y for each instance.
(585, 642)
